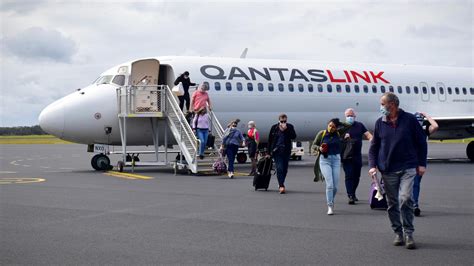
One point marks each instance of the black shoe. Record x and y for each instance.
(409, 242)
(355, 198)
(398, 241)
(201, 157)
(417, 212)
(351, 200)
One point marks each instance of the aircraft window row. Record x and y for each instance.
(338, 88)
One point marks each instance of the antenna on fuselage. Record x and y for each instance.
(244, 53)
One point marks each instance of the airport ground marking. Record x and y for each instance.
(127, 175)
(20, 180)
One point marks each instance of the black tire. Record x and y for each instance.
(470, 151)
(100, 162)
(120, 166)
(128, 158)
(241, 157)
(299, 158)
(136, 159)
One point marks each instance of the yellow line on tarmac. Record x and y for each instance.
(240, 174)
(127, 175)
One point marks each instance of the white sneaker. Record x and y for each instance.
(330, 210)
(230, 174)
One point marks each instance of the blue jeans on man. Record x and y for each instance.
(202, 135)
(330, 168)
(399, 190)
(281, 163)
(416, 190)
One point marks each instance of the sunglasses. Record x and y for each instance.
(283, 122)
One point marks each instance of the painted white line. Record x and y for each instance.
(7, 172)
(45, 167)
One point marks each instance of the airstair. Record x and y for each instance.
(160, 107)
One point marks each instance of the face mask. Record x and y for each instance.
(384, 110)
(350, 120)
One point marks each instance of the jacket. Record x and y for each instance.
(289, 134)
(186, 83)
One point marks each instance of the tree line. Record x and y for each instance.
(21, 131)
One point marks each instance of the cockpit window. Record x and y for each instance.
(104, 79)
(119, 80)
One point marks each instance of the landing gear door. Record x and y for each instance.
(145, 72)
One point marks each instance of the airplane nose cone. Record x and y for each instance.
(51, 119)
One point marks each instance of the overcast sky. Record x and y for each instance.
(51, 48)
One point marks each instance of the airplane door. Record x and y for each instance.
(145, 72)
(441, 92)
(425, 94)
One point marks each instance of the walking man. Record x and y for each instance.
(279, 146)
(398, 150)
(352, 166)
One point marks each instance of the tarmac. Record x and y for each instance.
(54, 209)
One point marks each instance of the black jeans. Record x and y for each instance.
(183, 98)
(352, 170)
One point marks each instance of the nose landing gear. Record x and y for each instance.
(470, 151)
(101, 162)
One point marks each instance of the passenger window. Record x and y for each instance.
(374, 89)
(260, 87)
(433, 90)
(239, 86)
(329, 87)
(291, 87)
(348, 88)
(310, 88)
(415, 90)
(270, 87)
(472, 91)
(300, 87)
(320, 88)
(464, 91)
(390, 88)
(456, 90)
(366, 89)
(400, 90)
(382, 89)
(450, 91)
(441, 90)
(425, 90)
(280, 87)
(407, 88)
(228, 86)
(338, 88)
(119, 80)
(217, 86)
(249, 86)
(356, 88)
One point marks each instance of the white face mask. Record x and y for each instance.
(384, 111)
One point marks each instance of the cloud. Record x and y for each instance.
(21, 7)
(38, 43)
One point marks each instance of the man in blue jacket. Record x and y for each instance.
(398, 150)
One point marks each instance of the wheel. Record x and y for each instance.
(299, 158)
(100, 162)
(470, 151)
(120, 166)
(293, 157)
(128, 158)
(136, 159)
(241, 157)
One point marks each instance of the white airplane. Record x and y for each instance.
(310, 93)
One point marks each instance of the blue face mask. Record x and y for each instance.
(350, 120)
(384, 110)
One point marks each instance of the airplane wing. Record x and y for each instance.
(454, 127)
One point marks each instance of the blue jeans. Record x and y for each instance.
(416, 189)
(330, 168)
(281, 164)
(202, 135)
(231, 151)
(399, 189)
(352, 170)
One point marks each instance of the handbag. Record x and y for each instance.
(347, 149)
(178, 90)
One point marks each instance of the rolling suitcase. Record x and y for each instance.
(373, 201)
(261, 179)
